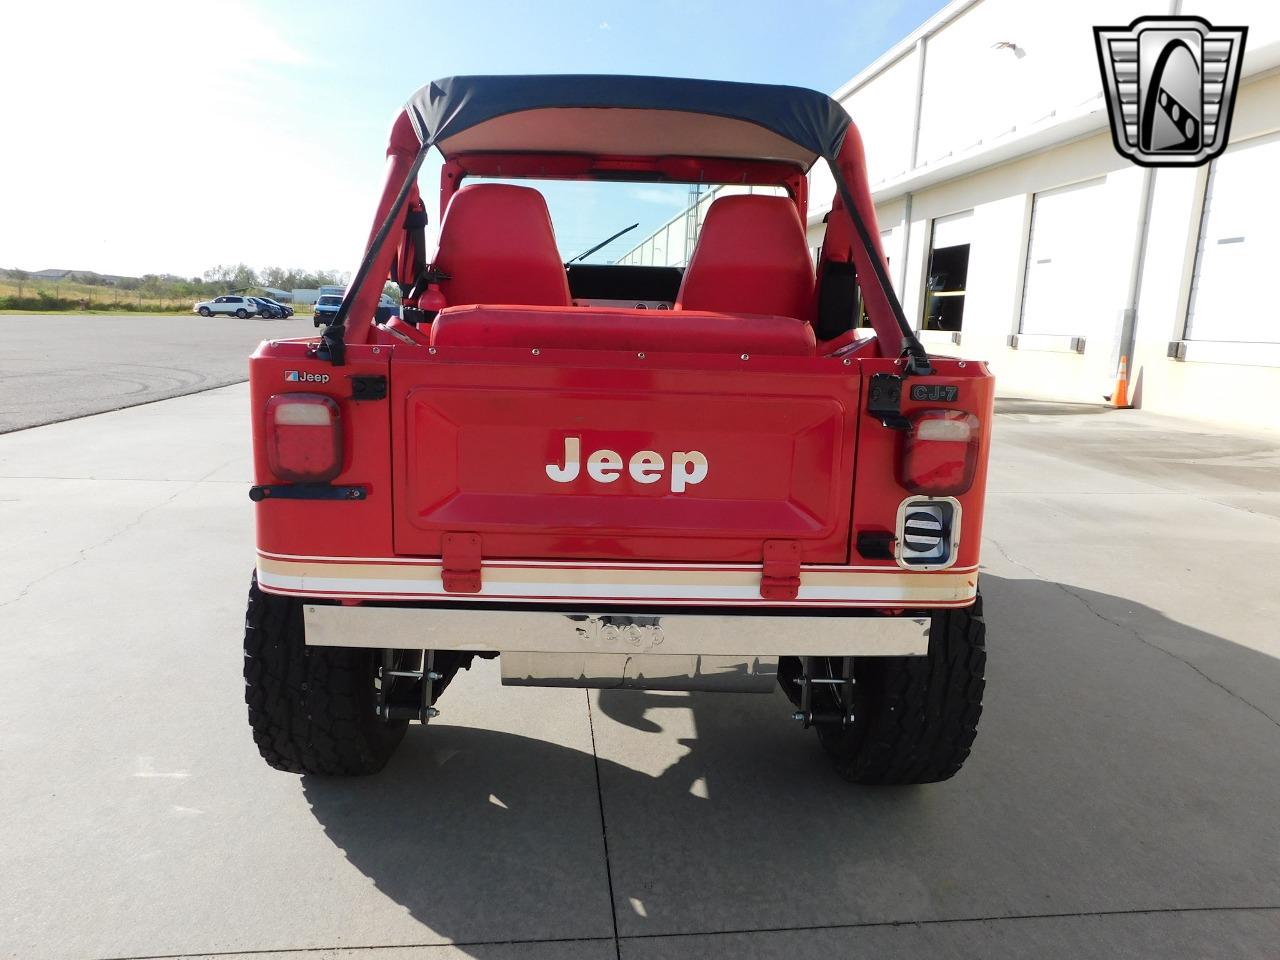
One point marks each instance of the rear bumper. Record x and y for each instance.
(557, 632)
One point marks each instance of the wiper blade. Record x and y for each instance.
(605, 243)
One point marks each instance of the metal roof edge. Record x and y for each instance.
(904, 46)
(1086, 119)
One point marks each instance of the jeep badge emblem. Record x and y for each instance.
(688, 467)
(302, 376)
(641, 632)
(1170, 84)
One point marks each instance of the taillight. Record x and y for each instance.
(940, 453)
(304, 437)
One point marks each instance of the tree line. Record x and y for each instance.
(21, 290)
(236, 276)
(219, 279)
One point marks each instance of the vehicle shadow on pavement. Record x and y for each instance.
(1108, 775)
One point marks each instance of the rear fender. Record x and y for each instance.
(326, 527)
(879, 490)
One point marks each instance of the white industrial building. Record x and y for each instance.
(1017, 234)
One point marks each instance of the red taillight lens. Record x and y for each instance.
(304, 437)
(940, 454)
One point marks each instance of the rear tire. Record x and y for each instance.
(915, 718)
(314, 709)
(242, 313)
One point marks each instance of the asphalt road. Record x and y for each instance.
(1120, 801)
(57, 366)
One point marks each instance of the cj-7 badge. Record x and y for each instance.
(688, 467)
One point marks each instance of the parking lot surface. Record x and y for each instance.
(1120, 800)
(57, 366)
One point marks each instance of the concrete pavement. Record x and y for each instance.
(1120, 801)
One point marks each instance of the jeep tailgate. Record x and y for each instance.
(485, 446)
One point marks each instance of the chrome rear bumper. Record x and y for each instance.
(549, 631)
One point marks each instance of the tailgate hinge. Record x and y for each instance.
(460, 559)
(884, 401)
(365, 387)
(780, 578)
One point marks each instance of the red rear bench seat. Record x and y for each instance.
(614, 328)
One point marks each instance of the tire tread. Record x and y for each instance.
(916, 718)
(311, 709)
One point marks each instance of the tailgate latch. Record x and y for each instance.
(460, 557)
(884, 401)
(780, 578)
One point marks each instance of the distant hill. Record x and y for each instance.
(82, 276)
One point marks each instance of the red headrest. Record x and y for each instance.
(751, 257)
(497, 246)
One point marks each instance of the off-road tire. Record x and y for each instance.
(242, 313)
(314, 709)
(915, 718)
(204, 311)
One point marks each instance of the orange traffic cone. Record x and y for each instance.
(1120, 396)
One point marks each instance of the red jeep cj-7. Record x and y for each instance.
(738, 486)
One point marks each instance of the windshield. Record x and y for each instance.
(329, 301)
(667, 216)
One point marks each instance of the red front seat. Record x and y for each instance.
(497, 246)
(751, 257)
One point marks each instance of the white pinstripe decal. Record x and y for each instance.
(546, 581)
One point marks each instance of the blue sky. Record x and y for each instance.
(210, 132)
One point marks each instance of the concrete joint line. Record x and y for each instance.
(374, 949)
(604, 829)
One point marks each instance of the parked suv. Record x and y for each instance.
(231, 304)
(284, 308)
(326, 307)
(267, 309)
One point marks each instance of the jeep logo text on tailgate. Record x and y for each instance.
(303, 376)
(688, 467)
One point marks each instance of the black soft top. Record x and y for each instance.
(629, 116)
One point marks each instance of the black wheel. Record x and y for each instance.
(242, 313)
(204, 311)
(314, 709)
(915, 718)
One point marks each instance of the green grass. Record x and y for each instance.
(36, 297)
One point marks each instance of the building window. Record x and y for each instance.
(1070, 276)
(1238, 249)
(948, 273)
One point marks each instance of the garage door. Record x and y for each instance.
(1072, 272)
(1239, 249)
(948, 276)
